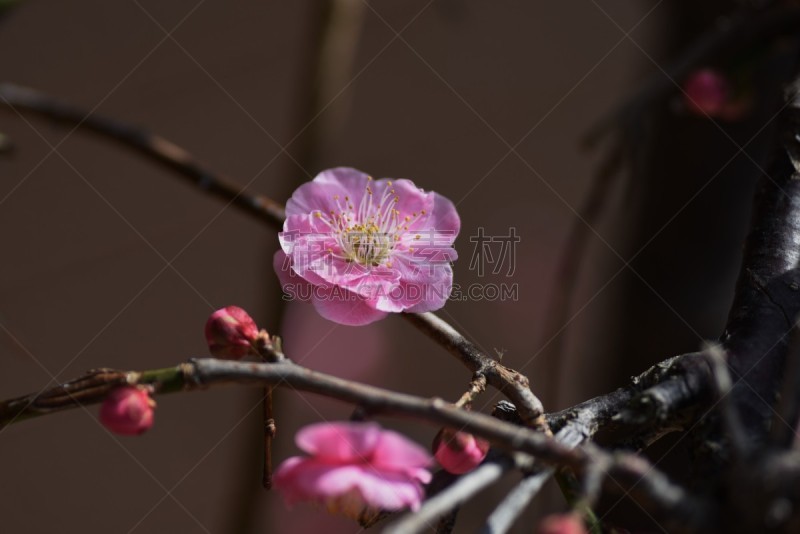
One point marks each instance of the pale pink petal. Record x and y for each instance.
(293, 285)
(395, 452)
(411, 200)
(389, 491)
(345, 442)
(332, 302)
(345, 307)
(420, 474)
(444, 217)
(312, 480)
(285, 479)
(353, 276)
(319, 193)
(305, 223)
(423, 287)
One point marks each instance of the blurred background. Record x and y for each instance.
(110, 261)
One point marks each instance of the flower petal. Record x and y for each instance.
(345, 442)
(423, 286)
(345, 307)
(333, 302)
(388, 490)
(319, 193)
(297, 287)
(444, 217)
(309, 479)
(395, 452)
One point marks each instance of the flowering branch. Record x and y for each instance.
(714, 394)
(510, 382)
(665, 398)
(202, 373)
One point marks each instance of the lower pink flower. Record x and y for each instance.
(355, 469)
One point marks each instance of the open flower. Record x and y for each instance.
(355, 469)
(359, 248)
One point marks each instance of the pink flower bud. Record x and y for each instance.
(128, 411)
(707, 92)
(230, 333)
(561, 524)
(458, 452)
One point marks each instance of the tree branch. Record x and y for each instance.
(149, 144)
(463, 489)
(518, 499)
(205, 372)
(513, 384)
(785, 422)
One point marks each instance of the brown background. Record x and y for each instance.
(110, 261)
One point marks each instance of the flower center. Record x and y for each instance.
(370, 234)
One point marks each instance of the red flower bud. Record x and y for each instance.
(707, 92)
(562, 524)
(128, 411)
(230, 333)
(458, 452)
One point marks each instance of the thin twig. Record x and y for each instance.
(151, 145)
(269, 435)
(511, 507)
(459, 492)
(512, 383)
(476, 387)
(269, 348)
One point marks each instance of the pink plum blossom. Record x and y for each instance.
(359, 248)
(355, 469)
(127, 411)
(459, 452)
